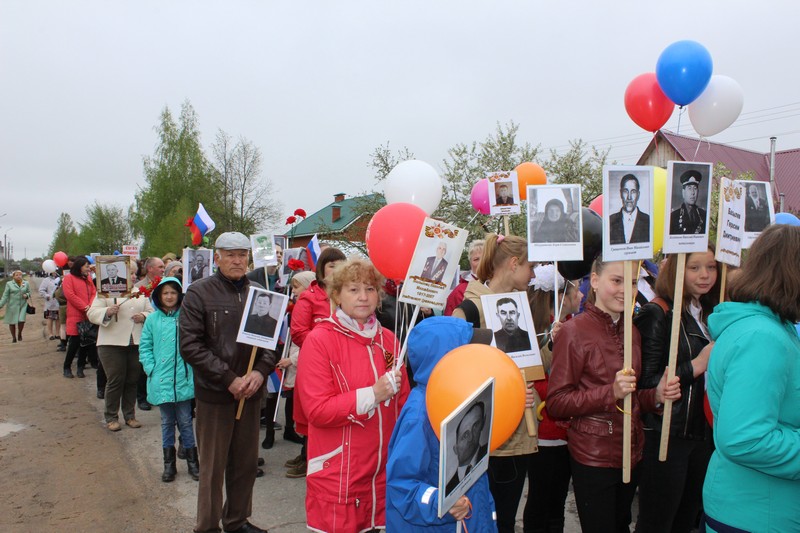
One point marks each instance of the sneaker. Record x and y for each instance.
(133, 423)
(297, 472)
(113, 426)
(291, 463)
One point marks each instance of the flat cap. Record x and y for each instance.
(691, 177)
(232, 240)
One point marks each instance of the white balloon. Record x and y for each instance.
(718, 107)
(49, 266)
(414, 182)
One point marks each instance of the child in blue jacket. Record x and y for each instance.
(170, 384)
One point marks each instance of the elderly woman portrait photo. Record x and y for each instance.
(552, 219)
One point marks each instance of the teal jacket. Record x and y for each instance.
(169, 377)
(753, 479)
(14, 298)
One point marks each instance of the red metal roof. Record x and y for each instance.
(738, 160)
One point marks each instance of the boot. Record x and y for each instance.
(290, 435)
(170, 469)
(181, 449)
(192, 463)
(269, 439)
(62, 347)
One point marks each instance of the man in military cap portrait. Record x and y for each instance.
(689, 219)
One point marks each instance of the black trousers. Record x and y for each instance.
(506, 480)
(671, 493)
(548, 483)
(74, 348)
(603, 500)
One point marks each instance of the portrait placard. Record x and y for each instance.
(730, 223)
(627, 205)
(503, 193)
(434, 264)
(511, 321)
(131, 250)
(264, 312)
(196, 265)
(263, 250)
(464, 445)
(759, 210)
(300, 254)
(555, 224)
(688, 201)
(113, 275)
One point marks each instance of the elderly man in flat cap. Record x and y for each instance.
(689, 219)
(209, 322)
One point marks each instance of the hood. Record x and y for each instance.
(156, 296)
(431, 339)
(727, 315)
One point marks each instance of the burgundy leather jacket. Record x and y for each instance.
(587, 354)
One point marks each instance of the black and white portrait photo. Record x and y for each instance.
(759, 210)
(196, 265)
(464, 445)
(112, 275)
(627, 205)
(689, 197)
(264, 250)
(509, 317)
(510, 337)
(264, 311)
(554, 216)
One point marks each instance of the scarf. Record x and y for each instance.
(368, 330)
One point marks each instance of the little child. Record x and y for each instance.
(170, 384)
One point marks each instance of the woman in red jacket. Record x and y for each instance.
(587, 382)
(352, 396)
(79, 290)
(312, 307)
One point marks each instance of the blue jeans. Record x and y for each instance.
(177, 413)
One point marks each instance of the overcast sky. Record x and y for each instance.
(318, 85)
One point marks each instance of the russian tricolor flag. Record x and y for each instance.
(200, 225)
(313, 250)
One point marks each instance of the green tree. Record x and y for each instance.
(105, 230)
(580, 165)
(177, 177)
(247, 199)
(65, 236)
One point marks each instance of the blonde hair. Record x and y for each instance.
(497, 250)
(354, 270)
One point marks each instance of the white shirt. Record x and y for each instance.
(628, 221)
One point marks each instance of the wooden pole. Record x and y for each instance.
(723, 282)
(249, 369)
(677, 305)
(284, 354)
(627, 364)
(505, 222)
(530, 417)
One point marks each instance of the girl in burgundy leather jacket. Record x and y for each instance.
(587, 386)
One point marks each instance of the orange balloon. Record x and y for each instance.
(461, 372)
(529, 174)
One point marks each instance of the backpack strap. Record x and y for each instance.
(662, 303)
(471, 312)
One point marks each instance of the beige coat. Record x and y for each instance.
(118, 331)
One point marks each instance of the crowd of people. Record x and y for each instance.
(369, 455)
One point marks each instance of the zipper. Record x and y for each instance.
(609, 422)
(689, 396)
(214, 324)
(380, 439)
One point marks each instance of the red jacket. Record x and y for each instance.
(347, 451)
(311, 308)
(587, 354)
(80, 293)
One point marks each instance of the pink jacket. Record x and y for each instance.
(347, 451)
(79, 293)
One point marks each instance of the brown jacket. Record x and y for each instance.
(209, 324)
(587, 354)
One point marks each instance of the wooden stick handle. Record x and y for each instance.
(627, 362)
(530, 417)
(249, 369)
(677, 305)
(723, 282)
(505, 221)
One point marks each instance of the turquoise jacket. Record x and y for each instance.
(14, 300)
(753, 479)
(169, 377)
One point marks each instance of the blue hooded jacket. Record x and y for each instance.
(412, 471)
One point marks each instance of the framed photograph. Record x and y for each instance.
(434, 264)
(300, 254)
(555, 224)
(113, 275)
(264, 250)
(196, 265)
(688, 204)
(759, 211)
(264, 312)
(503, 193)
(464, 445)
(509, 317)
(627, 205)
(730, 226)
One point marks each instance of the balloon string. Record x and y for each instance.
(699, 142)
(680, 112)
(473, 218)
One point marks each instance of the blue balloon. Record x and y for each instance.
(116, 252)
(683, 71)
(787, 218)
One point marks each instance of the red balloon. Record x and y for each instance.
(646, 103)
(392, 235)
(60, 258)
(596, 205)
